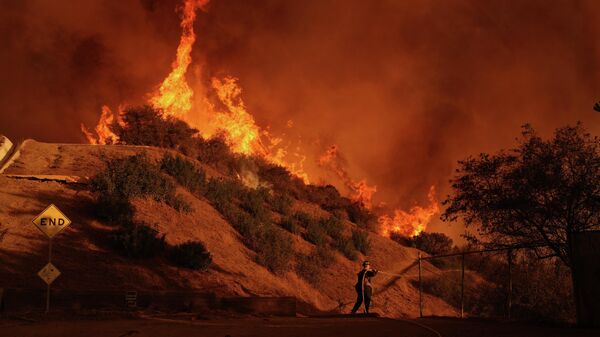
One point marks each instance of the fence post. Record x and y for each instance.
(462, 287)
(510, 285)
(420, 289)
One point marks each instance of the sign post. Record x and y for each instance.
(50, 222)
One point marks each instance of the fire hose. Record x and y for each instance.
(391, 274)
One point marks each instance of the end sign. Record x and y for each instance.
(51, 221)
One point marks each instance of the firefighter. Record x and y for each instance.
(364, 291)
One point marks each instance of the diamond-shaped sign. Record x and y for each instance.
(49, 273)
(51, 221)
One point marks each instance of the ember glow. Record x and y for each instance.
(228, 116)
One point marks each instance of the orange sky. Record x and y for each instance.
(404, 88)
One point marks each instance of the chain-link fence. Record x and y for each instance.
(498, 283)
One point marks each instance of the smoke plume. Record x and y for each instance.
(404, 89)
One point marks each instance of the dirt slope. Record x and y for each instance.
(82, 255)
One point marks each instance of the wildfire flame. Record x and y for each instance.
(174, 96)
(242, 133)
(361, 191)
(230, 118)
(235, 123)
(409, 223)
(413, 222)
(104, 134)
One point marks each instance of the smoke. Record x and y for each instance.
(63, 60)
(404, 89)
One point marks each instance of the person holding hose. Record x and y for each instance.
(364, 291)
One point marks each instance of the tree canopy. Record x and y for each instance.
(537, 194)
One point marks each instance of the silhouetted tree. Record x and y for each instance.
(539, 193)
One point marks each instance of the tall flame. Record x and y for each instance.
(239, 126)
(413, 222)
(230, 118)
(174, 96)
(242, 133)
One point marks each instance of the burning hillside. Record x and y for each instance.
(228, 117)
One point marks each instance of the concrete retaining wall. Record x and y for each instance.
(20, 300)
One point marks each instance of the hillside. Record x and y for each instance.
(43, 173)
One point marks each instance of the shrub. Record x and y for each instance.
(253, 200)
(332, 225)
(401, 239)
(282, 180)
(216, 152)
(178, 203)
(274, 249)
(433, 243)
(360, 240)
(327, 197)
(245, 224)
(307, 268)
(184, 172)
(222, 192)
(315, 233)
(191, 255)
(138, 241)
(290, 223)
(346, 247)
(294, 222)
(324, 255)
(304, 219)
(114, 209)
(132, 177)
(310, 267)
(127, 178)
(146, 125)
(358, 214)
(281, 203)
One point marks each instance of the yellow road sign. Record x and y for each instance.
(51, 221)
(49, 273)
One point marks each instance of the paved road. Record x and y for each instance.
(292, 327)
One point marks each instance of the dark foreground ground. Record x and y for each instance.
(161, 326)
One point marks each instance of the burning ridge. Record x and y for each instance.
(228, 118)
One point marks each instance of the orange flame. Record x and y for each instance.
(174, 96)
(104, 134)
(244, 136)
(361, 191)
(410, 223)
(242, 133)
